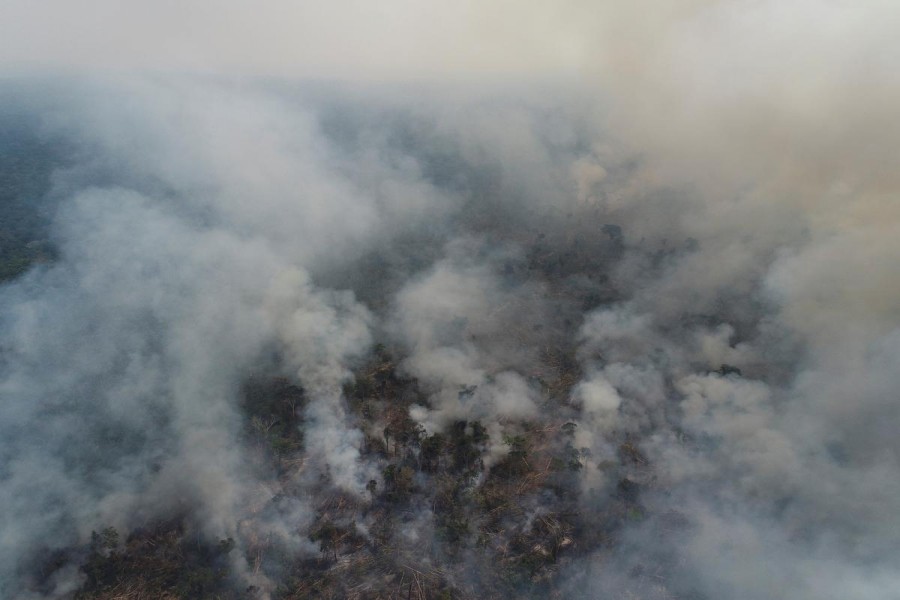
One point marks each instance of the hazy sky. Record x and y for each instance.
(404, 38)
(345, 38)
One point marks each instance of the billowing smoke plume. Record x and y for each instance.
(664, 299)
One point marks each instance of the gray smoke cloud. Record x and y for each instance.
(771, 114)
(691, 254)
(166, 295)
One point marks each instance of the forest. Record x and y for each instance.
(456, 301)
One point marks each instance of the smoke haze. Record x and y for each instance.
(657, 239)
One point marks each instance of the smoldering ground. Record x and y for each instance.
(635, 337)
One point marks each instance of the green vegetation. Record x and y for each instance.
(273, 417)
(26, 164)
(165, 562)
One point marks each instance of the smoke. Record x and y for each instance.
(167, 294)
(322, 332)
(687, 261)
(772, 114)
